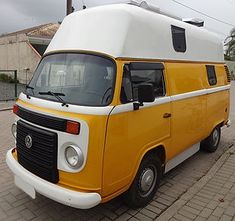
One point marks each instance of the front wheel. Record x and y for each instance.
(145, 184)
(211, 143)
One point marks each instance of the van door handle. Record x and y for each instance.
(166, 115)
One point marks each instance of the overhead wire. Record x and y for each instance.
(202, 13)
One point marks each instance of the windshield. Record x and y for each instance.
(81, 79)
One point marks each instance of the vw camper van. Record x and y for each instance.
(121, 96)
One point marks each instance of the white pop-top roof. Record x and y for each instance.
(124, 30)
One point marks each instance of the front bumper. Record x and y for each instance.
(62, 195)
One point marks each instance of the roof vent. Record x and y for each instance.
(194, 21)
(153, 8)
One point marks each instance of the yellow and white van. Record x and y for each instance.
(121, 96)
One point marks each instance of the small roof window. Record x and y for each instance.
(178, 38)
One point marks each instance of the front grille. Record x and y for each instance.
(42, 120)
(41, 157)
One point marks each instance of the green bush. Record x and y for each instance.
(8, 79)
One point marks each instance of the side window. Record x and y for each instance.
(211, 74)
(178, 38)
(155, 77)
(132, 78)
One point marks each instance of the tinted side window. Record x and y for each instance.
(155, 77)
(131, 80)
(178, 38)
(211, 74)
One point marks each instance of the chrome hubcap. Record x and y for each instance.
(147, 180)
(215, 136)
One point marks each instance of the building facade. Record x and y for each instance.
(23, 49)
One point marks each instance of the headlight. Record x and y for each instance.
(74, 156)
(14, 130)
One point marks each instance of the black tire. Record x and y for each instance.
(136, 197)
(211, 143)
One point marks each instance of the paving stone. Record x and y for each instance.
(123, 217)
(163, 201)
(212, 204)
(27, 214)
(133, 219)
(226, 218)
(187, 214)
(232, 190)
(224, 204)
(202, 199)
(206, 212)
(218, 212)
(199, 218)
(142, 217)
(198, 202)
(153, 209)
(194, 206)
(182, 218)
(230, 211)
(172, 219)
(191, 210)
(212, 218)
(158, 205)
(148, 213)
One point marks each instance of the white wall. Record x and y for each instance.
(16, 54)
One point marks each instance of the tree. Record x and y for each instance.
(230, 46)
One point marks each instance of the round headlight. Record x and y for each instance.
(14, 130)
(74, 156)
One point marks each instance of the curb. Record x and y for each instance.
(6, 109)
(170, 212)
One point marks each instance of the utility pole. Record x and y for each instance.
(69, 7)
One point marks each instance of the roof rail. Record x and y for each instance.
(153, 8)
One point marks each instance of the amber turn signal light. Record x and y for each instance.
(15, 109)
(73, 127)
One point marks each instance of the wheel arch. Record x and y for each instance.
(158, 151)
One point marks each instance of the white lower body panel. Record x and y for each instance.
(182, 157)
(31, 184)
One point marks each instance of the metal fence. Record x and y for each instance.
(10, 87)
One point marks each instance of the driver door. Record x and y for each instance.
(130, 133)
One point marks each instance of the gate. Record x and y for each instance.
(10, 87)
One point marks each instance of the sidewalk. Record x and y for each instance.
(211, 198)
(6, 105)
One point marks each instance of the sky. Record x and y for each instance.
(218, 15)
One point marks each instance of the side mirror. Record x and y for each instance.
(145, 94)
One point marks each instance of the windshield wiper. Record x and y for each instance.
(29, 87)
(56, 95)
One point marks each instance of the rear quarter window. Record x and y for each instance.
(211, 75)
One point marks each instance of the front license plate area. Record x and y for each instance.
(27, 188)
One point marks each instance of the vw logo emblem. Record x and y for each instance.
(28, 141)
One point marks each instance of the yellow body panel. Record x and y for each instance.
(90, 178)
(117, 143)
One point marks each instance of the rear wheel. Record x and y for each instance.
(145, 183)
(211, 143)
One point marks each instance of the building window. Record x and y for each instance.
(211, 74)
(132, 78)
(178, 38)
